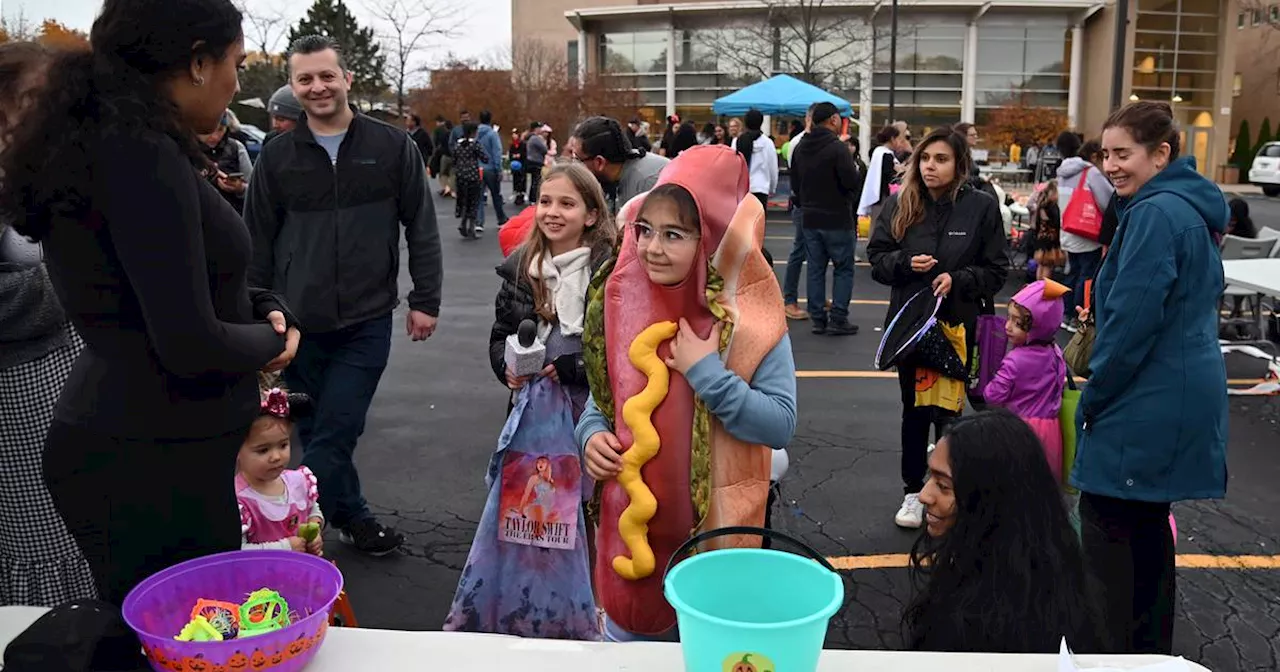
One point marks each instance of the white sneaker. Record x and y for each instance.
(911, 515)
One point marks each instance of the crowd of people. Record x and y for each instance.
(174, 316)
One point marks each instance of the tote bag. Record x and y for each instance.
(990, 345)
(1067, 418)
(527, 573)
(1082, 217)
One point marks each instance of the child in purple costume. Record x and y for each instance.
(1033, 373)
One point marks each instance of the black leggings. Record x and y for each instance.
(1129, 548)
(138, 506)
(916, 421)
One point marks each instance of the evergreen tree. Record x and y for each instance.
(1264, 136)
(1243, 157)
(332, 18)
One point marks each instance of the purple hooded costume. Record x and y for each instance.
(1032, 376)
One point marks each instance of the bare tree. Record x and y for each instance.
(815, 40)
(539, 73)
(408, 28)
(263, 28)
(17, 28)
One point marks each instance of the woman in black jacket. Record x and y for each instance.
(150, 264)
(936, 233)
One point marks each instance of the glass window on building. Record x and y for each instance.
(638, 52)
(703, 73)
(833, 59)
(1175, 59)
(1023, 60)
(573, 60)
(929, 79)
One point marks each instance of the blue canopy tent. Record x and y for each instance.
(781, 94)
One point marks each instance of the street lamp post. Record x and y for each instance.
(893, 58)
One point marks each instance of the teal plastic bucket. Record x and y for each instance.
(751, 609)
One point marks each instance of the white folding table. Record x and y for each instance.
(350, 650)
(1261, 276)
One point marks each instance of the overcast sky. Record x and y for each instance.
(487, 26)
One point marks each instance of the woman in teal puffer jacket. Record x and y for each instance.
(1152, 422)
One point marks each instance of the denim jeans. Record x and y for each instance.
(493, 183)
(795, 261)
(340, 371)
(1083, 266)
(834, 246)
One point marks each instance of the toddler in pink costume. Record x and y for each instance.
(274, 500)
(1033, 373)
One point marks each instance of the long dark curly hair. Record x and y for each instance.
(1009, 576)
(21, 69)
(115, 90)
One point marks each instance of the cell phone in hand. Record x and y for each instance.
(234, 176)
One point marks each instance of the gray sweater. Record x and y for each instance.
(535, 150)
(31, 319)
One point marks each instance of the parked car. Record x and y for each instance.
(1265, 171)
(252, 137)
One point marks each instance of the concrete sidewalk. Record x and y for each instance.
(1241, 189)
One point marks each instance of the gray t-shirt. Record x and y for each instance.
(331, 143)
(639, 175)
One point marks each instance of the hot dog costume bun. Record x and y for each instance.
(702, 477)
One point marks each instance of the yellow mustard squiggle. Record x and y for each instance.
(633, 525)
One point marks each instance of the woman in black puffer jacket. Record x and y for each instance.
(939, 232)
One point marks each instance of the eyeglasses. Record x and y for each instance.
(670, 238)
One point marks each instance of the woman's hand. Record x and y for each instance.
(298, 544)
(687, 349)
(923, 263)
(291, 338)
(603, 456)
(550, 372)
(515, 382)
(231, 185)
(1082, 313)
(942, 285)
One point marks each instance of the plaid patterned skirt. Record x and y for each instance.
(40, 564)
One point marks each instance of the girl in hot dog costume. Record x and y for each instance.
(692, 381)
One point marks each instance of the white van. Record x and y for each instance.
(1265, 171)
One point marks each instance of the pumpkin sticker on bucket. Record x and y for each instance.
(748, 662)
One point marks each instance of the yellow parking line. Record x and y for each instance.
(783, 262)
(879, 302)
(1184, 561)
(892, 374)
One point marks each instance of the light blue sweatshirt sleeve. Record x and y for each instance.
(591, 423)
(1101, 188)
(763, 411)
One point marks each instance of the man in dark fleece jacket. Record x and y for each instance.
(325, 207)
(825, 186)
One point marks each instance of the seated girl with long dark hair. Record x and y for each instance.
(999, 568)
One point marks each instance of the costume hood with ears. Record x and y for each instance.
(702, 477)
(1043, 299)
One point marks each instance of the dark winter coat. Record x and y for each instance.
(327, 236)
(824, 181)
(515, 304)
(965, 236)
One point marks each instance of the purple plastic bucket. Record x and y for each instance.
(159, 606)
